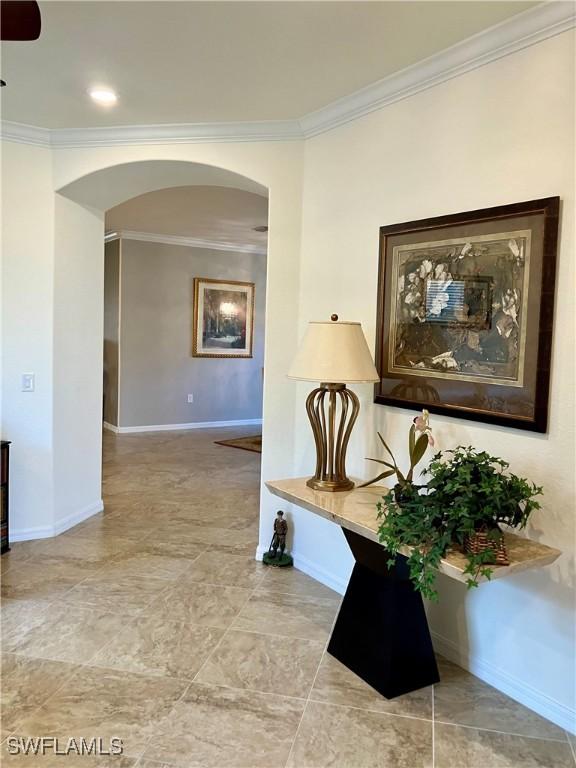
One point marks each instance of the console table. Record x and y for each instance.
(381, 632)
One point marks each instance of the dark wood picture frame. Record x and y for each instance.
(465, 381)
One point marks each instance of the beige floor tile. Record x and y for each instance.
(338, 737)
(227, 570)
(285, 666)
(220, 728)
(288, 615)
(66, 632)
(246, 549)
(106, 704)
(143, 563)
(336, 684)
(126, 594)
(203, 604)
(26, 684)
(462, 699)
(45, 578)
(18, 617)
(52, 760)
(85, 548)
(458, 747)
(155, 646)
(294, 582)
(178, 547)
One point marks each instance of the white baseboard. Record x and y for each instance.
(176, 427)
(311, 569)
(524, 694)
(47, 532)
(519, 691)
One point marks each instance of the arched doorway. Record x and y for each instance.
(79, 243)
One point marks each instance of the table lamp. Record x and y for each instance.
(335, 354)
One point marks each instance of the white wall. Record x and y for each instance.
(78, 354)
(27, 308)
(37, 265)
(500, 134)
(158, 370)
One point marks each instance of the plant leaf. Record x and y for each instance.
(419, 449)
(380, 477)
(386, 446)
(411, 440)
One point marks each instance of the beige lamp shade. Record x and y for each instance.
(334, 352)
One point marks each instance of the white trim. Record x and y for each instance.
(178, 427)
(47, 532)
(110, 427)
(516, 689)
(525, 694)
(329, 579)
(169, 133)
(514, 34)
(189, 242)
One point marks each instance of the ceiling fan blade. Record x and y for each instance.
(19, 20)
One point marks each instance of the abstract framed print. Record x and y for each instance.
(465, 310)
(223, 318)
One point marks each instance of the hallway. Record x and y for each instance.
(153, 623)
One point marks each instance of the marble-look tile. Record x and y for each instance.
(18, 617)
(285, 666)
(46, 578)
(456, 747)
(155, 646)
(227, 570)
(142, 563)
(107, 704)
(214, 727)
(181, 547)
(203, 604)
(53, 760)
(26, 684)
(66, 632)
(336, 684)
(288, 615)
(85, 548)
(127, 594)
(462, 699)
(339, 737)
(241, 548)
(294, 582)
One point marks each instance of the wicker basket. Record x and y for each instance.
(480, 541)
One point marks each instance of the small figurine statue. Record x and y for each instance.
(278, 543)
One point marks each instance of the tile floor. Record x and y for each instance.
(153, 623)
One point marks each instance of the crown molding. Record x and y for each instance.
(25, 134)
(510, 36)
(169, 133)
(515, 34)
(189, 242)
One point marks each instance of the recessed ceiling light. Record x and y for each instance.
(103, 96)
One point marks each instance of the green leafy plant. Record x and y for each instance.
(467, 491)
(419, 438)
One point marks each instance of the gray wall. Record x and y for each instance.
(157, 368)
(111, 329)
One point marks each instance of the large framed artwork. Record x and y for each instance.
(465, 309)
(223, 318)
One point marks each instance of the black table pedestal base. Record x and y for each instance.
(381, 632)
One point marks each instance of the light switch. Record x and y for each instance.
(190, 398)
(27, 382)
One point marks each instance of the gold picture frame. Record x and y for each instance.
(223, 314)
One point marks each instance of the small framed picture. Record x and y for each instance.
(223, 318)
(465, 309)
